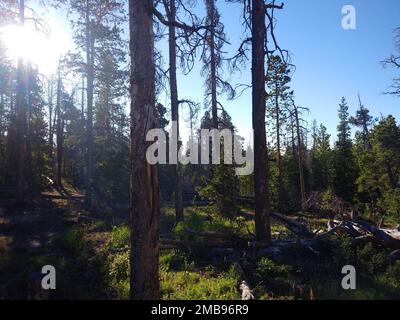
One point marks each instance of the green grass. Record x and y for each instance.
(117, 274)
(192, 274)
(120, 237)
(188, 285)
(176, 260)
(72, 241)
(205, 219)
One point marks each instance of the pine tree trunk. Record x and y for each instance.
(175, 107)
(29, 165)
(21, 116)
(59, 131)
(278, 149)
(144, 279)
(51, 129)
(262, 205)
(300, 161)
(89, 124)
(1, 123)
(213, 67)
(292, 137)
(391, 175)
(83, 100)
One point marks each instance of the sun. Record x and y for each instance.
(39, 48)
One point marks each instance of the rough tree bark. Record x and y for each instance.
(213, 66)
(262, 205)
(28, 130)
(1, 121)
(60, 130)
(278, 147)
(171, 14)
(144, 191)
(51, 133)
(83, 99)
(300, 162)
(21, 116)
(90, 42)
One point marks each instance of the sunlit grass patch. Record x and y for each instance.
(120, 237)
(72, 241)
(187, 285)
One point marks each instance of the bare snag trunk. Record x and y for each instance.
(174, 105)
(213, 67)
(59, 131)
(144, 192)
(300, 161)
(90, 45)
(278, 149)
(262, 209)
(1, 121)
(51, 129)
(21, 116)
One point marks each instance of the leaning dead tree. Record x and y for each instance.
(295, 113)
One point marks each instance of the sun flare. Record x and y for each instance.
(41, 49)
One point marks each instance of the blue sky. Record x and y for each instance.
(330, 62)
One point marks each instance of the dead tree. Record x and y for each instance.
(296, 123)
(59, 130)
(2, 107)
(188, 36)
(212, 58)
(50, 111)
(259, 12)
(300, 159)
(170, 9)
(262, 205)
(144, 193)
(21, 116)
(90, 41)
(212, 16)
(255, 14)
(394, 62)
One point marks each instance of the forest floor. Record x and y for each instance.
(91, 255)
(47, 231)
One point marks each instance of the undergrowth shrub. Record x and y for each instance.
(176, 260)
(187, 285)
(73, 241)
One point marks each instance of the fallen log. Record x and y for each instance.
(393, 256)
(388, 238)
(87, 218)
(244, 287)
(206, 244)
(217, 235)
(297, 228)
(363, 231)
(359, 230)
